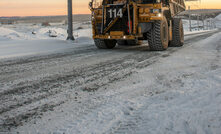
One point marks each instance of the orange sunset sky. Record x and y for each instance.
(58, 7)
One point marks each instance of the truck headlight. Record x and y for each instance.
(156, 10)
(147, 10)
(141, 10)
(159, 15)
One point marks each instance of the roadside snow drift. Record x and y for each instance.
(8, 34)
(218, 17)
(38, 40)
(218, 21)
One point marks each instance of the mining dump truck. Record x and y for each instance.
(129, 22)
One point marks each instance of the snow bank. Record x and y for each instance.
(40, 43)
(218, 17)
(38, 32)
(83, 33)
(80, 35)
(198, 32)
(58, 30)
(218, 21)
(24, 39)
(6, 33)
(194, 25)
(44, 33)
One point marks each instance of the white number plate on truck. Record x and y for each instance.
(115, 12)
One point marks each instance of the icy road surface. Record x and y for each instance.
(124, 90)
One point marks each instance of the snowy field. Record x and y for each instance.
(28, 39)
(20, 40)
(50, 85)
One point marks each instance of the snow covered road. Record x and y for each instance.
(124, 90)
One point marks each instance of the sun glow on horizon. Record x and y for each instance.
(59, 7)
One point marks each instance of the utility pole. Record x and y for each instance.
(202, 17)
(207, 24)
(70, 20)
(190, 27)
(198, 25)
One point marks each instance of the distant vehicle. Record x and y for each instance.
(131, 21)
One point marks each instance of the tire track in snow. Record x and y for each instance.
(91, 75)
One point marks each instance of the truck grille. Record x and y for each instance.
(121, 24)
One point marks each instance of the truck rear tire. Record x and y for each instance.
(178, 35)
(105, 44)
(158, 37)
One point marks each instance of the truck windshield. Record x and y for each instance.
(150, 1)
(98, 3)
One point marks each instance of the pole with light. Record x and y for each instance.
(70, 20)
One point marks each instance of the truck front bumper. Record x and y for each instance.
(115, 37)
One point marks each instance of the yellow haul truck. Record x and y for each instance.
(131, 21)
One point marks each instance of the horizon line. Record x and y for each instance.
(87, 14)
(39, 15)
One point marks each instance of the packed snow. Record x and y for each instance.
(8, 34)
(177, 92)
(51, 85)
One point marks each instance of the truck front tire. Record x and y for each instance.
(105, 44)
(158, 36)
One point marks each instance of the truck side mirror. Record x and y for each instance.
(90, 5)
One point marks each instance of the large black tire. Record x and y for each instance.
(105, 44)
(158, 36)
(178, 34)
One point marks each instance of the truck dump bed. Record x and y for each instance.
(176, 6)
